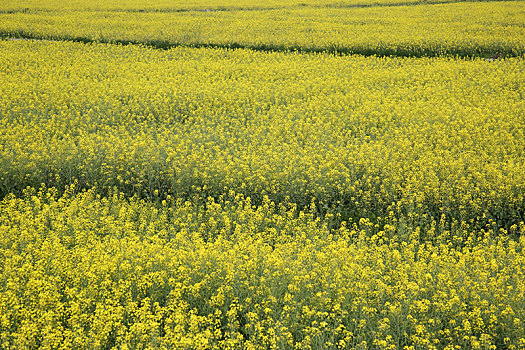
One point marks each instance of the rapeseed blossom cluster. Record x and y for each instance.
(84, 271)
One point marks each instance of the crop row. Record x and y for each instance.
(10, 6)
(488, 29)
(359, 136)
(79, 271)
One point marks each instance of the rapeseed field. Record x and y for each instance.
(487, 29)
(81, 271)
(10, 6)
(262, 175)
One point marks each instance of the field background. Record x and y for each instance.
(271, 175)
(487, 29)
